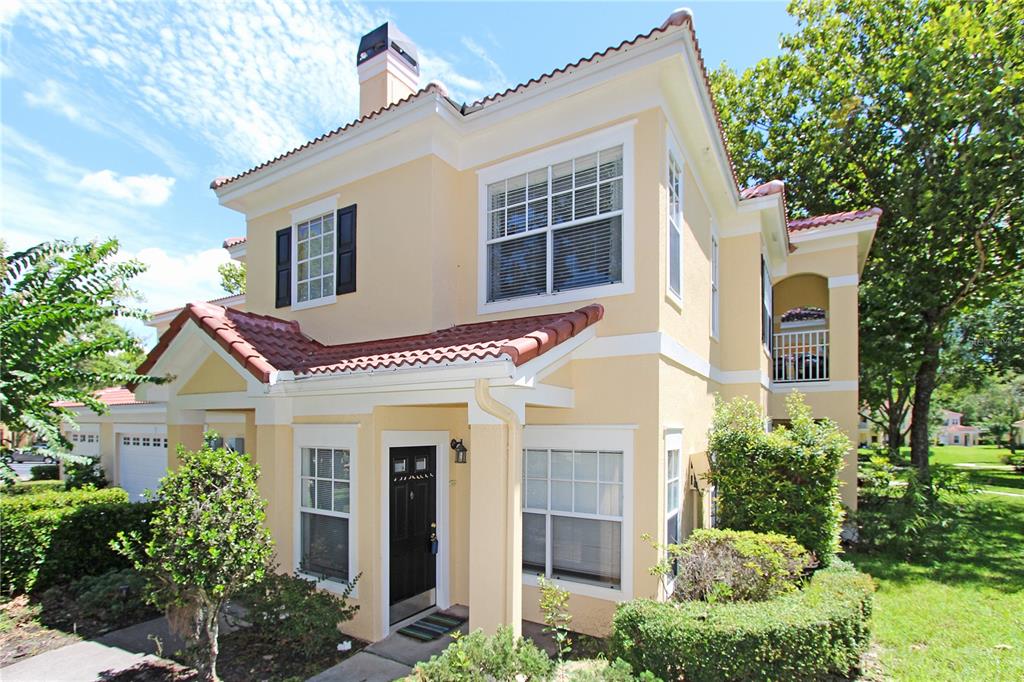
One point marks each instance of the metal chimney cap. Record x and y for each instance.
(385, 37)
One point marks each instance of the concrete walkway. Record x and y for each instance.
(94, 659)
(102, 657)
(395, 656)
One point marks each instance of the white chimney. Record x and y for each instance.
(389, 68)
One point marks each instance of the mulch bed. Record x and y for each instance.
(244, 657)
(21, 633)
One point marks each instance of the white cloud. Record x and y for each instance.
(51, 96)
(43, 199)
(145, 190)
(251, 79)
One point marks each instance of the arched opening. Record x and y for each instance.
(800, 326)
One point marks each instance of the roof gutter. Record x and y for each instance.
(513, 510)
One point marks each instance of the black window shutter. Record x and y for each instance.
(346, 271)
(283, 288)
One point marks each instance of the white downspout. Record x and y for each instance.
(513, 509)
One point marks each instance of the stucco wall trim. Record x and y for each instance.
(816, 387)
(843, 281)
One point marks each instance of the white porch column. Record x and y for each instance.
(495, 515)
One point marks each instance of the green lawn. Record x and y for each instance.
(958, 615)
(956, 454)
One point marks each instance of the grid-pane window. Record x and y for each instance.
(673, 496)
(556, 228)
(714, 285)
(675, 226)
(314, 258)
(572, 515)
(324, 506)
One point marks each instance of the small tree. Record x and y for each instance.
(786, 481)
(209, 541)
(58, 303)
(554, 604)
(232, 277)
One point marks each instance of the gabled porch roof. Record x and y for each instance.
(266, 345)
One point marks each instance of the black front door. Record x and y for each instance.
(413, 530)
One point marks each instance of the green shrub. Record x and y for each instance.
(45, 472)
(600, 670)
(736, 565)
(1014, 459)
(84, 474)
(52, 537)
(785, 481)
(478, 658)
(31, 487)
(289, 611)
(114, 597)
(810, 634)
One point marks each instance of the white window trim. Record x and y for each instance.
(767, 304)
(620, 134)
(673, 154)
(302, 214)
(674, 441)
(601, 437)
(716, 281)
(338, 437)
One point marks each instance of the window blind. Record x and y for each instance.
(556, 228)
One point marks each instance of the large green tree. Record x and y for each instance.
(57, 302)
(916, 106)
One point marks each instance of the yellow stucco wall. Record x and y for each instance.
(213, 376)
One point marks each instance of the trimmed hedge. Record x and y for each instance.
(31, 487)
(811, 634)
(52, 537)
(45, 472)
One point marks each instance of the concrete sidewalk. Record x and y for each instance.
(80, 662)
(102, 657)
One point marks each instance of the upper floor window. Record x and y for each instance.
(675, 226)
(556, 228)
(314, 258)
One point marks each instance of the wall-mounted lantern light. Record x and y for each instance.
(460, 451)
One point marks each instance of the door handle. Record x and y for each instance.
(433, 543)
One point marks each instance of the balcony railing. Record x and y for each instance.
(800, 356)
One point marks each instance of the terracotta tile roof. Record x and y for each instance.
(961, 427)
(264, 344)
(763, 190)
(680, 17)
(831, 219)
(116, 395)
(231, 242)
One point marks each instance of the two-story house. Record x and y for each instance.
(482, 342)
(954, 432)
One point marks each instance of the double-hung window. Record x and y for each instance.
(556, 228)
(325, 512)
(314, 258)
(573, 515)
(675, 226)
(673, 494)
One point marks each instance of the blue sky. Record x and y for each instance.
(114, 117)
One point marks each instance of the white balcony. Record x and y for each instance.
(800, 356)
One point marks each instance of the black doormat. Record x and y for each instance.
(431, 627)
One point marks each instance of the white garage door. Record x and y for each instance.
(142, 462)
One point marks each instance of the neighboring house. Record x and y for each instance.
(952, 432)
(482, 342)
